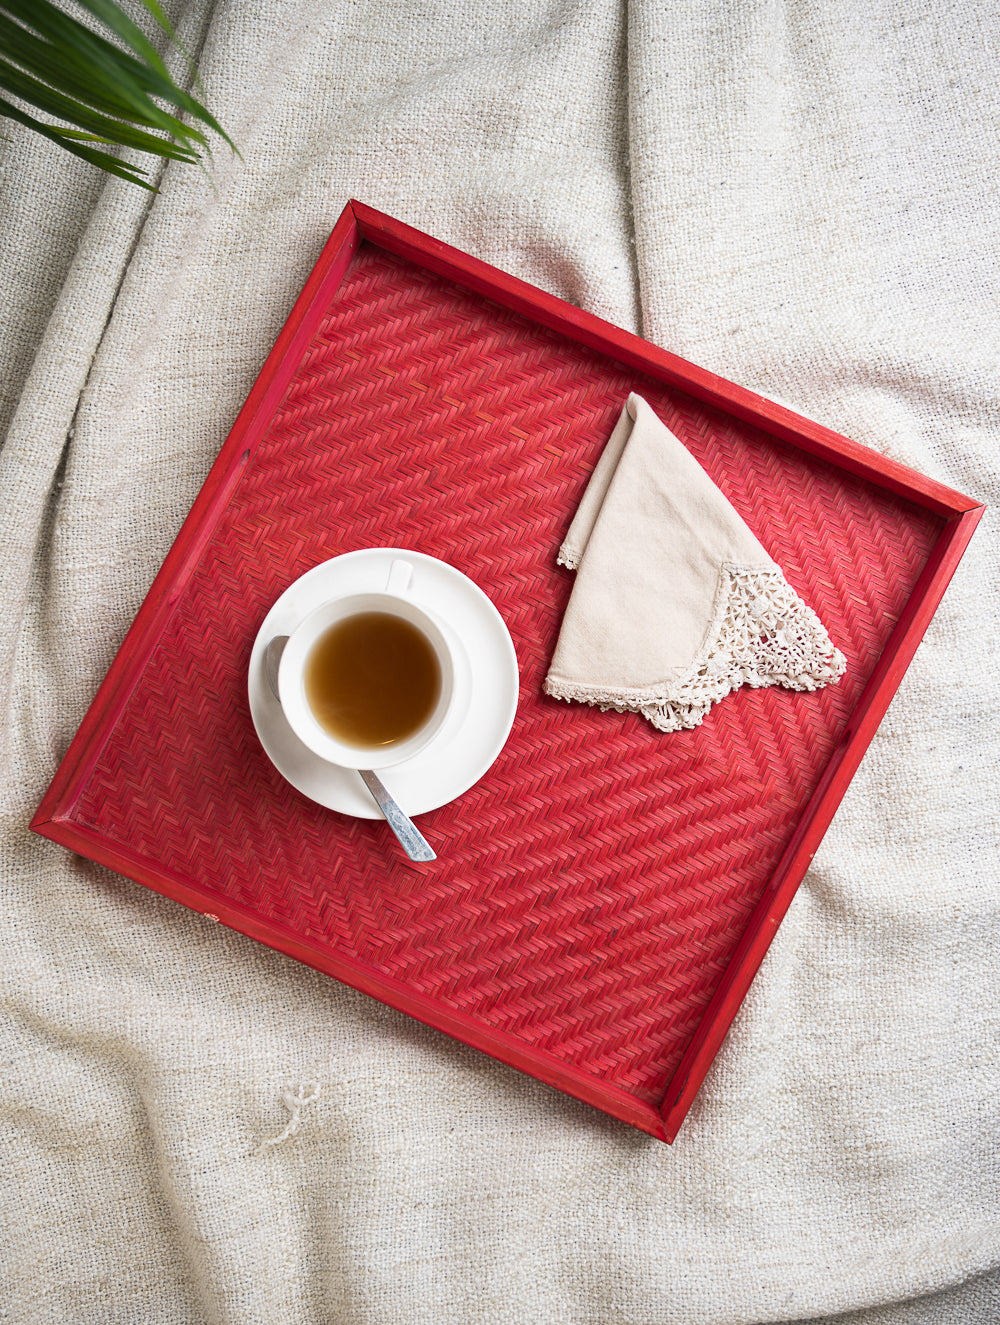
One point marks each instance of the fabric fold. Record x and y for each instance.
(676, 604)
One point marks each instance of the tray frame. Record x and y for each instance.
(359, 223)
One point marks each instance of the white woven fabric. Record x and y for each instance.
(196, 1129)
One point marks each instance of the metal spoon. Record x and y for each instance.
(410, 837)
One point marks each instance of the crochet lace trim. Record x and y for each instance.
(761, 634)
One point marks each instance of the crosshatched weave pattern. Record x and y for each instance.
(591, 889)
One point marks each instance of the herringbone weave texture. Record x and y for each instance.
(591, 888)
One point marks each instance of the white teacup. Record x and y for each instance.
(395, 601)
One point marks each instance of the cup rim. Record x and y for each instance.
(291, 688)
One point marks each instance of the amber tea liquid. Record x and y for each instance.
(372, 679)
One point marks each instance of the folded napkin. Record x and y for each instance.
(675, 602)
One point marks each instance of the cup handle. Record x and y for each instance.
(400, 574)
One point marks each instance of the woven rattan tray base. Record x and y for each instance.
(603, 896)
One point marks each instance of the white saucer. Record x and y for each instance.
(476, 729)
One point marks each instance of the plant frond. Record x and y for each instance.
(108, 130)
(63, 68)
(69, 140)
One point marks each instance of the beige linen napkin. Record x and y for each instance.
(675, 603)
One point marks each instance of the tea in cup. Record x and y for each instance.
(368, 679)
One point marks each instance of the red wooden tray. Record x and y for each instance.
(605, 894)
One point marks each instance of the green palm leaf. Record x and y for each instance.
(53, 63)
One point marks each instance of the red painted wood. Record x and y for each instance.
(586, 365)
(646, 358)
(367, 980)
(803, 844)
(140, 639)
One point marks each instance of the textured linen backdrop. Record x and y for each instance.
(798, 196)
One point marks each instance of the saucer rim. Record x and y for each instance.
(479, 756)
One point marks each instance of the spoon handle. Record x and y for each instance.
(410, 837)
